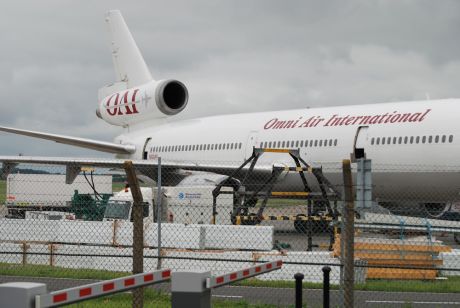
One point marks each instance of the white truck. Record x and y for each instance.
(48, 192)
(180, 204)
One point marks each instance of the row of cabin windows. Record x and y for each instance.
(196, 147)
(299, 143)
(412, 139)
(235, 146)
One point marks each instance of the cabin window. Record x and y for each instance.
(297, 144)
(394, 140)
(430, 139)
(330, 142)
(451, 138)
(372, 141)
(443, 138)
(399, 140)
(383, 140)
(335, 142)
(325, 142)
(389, 140)
(301, 143)
(417, 139)
(377, 141)
(321, 143)
(411, 140)
(423, 139)
(436, 139)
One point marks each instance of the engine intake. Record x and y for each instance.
(171, 97)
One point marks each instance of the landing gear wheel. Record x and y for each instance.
(251, 222)
(457, 238)
(300, 225)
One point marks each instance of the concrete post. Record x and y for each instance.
(188, 289)
(20, 294)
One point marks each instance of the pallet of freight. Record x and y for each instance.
(119, 233)
(451, 263)
(416, 258)
(238, 237)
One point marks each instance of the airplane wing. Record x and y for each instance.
(146, 167)
(103, 146)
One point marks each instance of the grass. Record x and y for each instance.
(153, 298)
(450, 285)
(2, 191)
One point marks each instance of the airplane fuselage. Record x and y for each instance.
(404, 138)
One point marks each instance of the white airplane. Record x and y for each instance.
(409, 141)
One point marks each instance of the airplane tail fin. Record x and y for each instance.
(130, 67)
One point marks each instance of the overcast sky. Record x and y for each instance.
(234, 56)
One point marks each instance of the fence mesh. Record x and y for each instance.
(407, 233)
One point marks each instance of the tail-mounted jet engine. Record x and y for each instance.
(154, 100)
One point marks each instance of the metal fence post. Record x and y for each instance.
(159, 197)
(326, 286)
(138, 230)
(298, 289)
(348, 233)
(188, 289)
(20, 294)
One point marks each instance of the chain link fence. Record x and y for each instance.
(406, 228)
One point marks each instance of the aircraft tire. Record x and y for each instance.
(457, 238)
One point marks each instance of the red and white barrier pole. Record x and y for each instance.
(98, 289)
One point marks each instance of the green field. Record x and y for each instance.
(2, 191)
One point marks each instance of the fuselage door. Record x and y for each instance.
(251, 142)
(145, 150)
(360, 143)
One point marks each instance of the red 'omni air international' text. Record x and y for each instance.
(337, 120)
